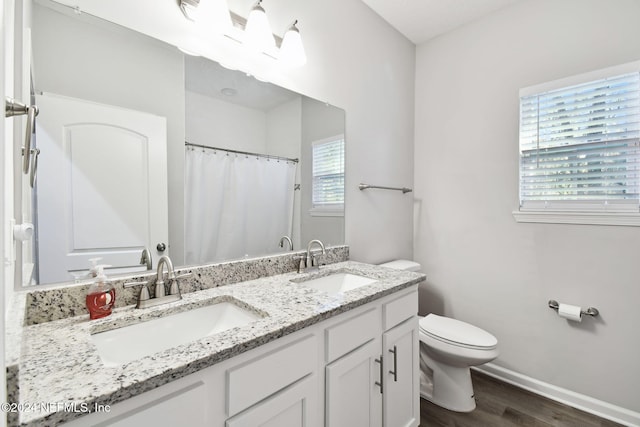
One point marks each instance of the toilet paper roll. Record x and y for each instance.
(571, 312)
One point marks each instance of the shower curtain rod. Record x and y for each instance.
(268, 156)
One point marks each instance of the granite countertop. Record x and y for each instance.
(58, 362)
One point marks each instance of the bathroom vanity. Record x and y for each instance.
(309, 356)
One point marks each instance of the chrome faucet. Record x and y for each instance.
(171, 275)
(145, 259)
(310, 259)
(161, 296)
(286, 239)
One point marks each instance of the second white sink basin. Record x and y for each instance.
(338, 282)
(132, 342)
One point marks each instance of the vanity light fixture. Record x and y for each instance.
(257, 32)
(253, 32)
(210, 16)
(189, 9)
(292, 50)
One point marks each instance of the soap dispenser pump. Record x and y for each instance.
(93, 266)
(101, 295)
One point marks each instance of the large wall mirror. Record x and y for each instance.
(145, 147)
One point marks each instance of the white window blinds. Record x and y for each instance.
(579, 146)
(328, 174)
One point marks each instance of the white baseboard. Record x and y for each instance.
(580, 401)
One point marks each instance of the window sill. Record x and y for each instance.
(326, 212)
(629, 219)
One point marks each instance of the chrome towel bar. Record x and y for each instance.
(590, 311)
(403, 189)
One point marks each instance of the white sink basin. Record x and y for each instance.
(338, 282)
(132, 342)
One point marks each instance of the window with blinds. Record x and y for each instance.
(579, 146)
(328, 176)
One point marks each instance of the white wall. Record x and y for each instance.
(482, 266)
(216, 123)
(284, 131)
(357, 62)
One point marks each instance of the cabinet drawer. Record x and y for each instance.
(295, 406)
(399, 310)
(251, 382)
(351, 334)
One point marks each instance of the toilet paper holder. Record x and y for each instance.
(590, 311)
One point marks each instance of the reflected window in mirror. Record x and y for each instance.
(328, 176)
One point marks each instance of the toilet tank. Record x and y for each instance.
(402, 264)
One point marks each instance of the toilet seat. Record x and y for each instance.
(457, 333)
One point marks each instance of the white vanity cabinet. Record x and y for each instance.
(327, 374)
(292, 407)
(182, 402)
(352, 395)
(401, 407)
(276, 389)
(401, 363)
(275, 384)
(376, 381)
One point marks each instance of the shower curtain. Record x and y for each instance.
(236, 205)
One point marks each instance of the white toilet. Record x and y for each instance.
(448, 348)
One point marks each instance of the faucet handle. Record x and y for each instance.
(302, 262)
(133, 284)
(144, 293)
(314, 258)
(174, 289)
(143, 296)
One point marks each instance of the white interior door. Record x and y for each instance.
(101, 186)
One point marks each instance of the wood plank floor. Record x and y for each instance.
(499, 404)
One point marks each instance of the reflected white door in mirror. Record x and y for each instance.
(102, 187)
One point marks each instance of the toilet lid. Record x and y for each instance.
(402, 264)
(457, 332)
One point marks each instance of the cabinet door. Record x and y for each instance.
(401, 406)
(295, 406)
(353, 398)
(164, 406)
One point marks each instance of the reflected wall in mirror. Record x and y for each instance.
(113, 98)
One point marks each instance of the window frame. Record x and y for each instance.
(327, 209)
(574, 213)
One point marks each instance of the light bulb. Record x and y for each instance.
(292, 51)
(257, 33)
(213, 17)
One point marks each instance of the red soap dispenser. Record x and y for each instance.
(101, 295)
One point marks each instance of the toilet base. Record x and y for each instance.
(450, 386)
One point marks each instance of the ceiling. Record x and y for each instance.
(421, 20)
(418, 20)
(211, 79)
